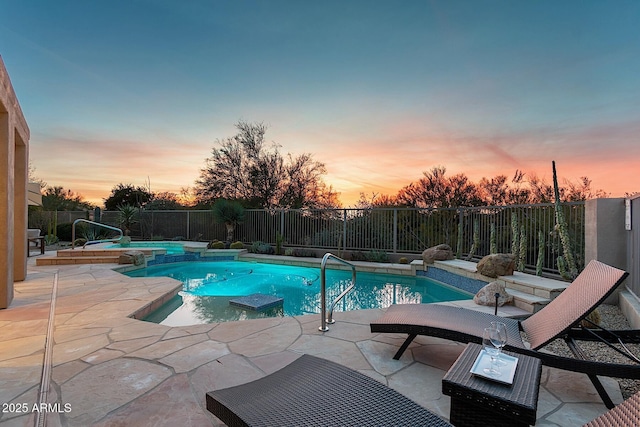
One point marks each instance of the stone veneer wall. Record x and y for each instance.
(461, 282)
(208, 255)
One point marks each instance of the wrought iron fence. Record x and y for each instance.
(471, 232)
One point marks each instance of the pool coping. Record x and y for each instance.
(405, 270)
(530, 292)
(97, 347)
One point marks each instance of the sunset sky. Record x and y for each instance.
(138, 91)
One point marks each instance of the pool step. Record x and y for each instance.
(529, 292)
(77, 260)
(88, 256)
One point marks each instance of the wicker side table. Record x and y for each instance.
(476, 401)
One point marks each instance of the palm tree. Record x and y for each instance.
(127, 216)
(230, 213)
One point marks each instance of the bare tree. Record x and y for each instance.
(246, 168)
(435, 190)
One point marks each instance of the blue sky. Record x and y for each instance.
(379, 91)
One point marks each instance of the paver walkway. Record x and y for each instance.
(110, 370)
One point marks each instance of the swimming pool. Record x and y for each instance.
(208, 287)
(173, 248)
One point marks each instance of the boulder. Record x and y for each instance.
(131, 257)
(487, 295)
(497, 265)
(437, 253)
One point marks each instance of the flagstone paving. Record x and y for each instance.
(111, 370)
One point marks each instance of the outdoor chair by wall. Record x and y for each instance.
(313, 391)
(558, 319)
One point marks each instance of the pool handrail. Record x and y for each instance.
(327, 316)
(73, 233)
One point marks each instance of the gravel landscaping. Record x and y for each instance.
(612, 318)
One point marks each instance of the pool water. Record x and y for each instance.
(208, 287)
(172, 248)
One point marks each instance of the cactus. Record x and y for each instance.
(476, 239)
(459, 243)
(522, 251)
(52, 230)
(492, 240)
(279, 242)
(541, 247)
(562, 267)
(570, 269)
(515, 242)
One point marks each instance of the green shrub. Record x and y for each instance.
(237, 245)
(63, 231)
(358, 256)
(216, 244)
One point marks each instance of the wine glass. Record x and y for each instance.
(502, 340)
(491, 336)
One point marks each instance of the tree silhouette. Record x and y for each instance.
(58, 199)
(244, 167)
(127, 194)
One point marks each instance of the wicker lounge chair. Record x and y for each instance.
(316, 392)
(626, 414)
(558, 319)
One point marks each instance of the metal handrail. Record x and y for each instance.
(73, 233)
(323, 291)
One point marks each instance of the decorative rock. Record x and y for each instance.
(131, 257)
(487, 295)
(441, 252)
(497, 265)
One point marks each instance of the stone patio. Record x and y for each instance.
(111, 370)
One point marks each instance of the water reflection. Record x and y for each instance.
(208, 287)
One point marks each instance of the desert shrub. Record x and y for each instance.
(377, 256)
(63, 231)
(261, 248)
(215, 244)
(79, 242)
(301, 252)
(237, 245)
(403, 260)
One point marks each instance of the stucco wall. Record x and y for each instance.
(605, 235)
(14, 171)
